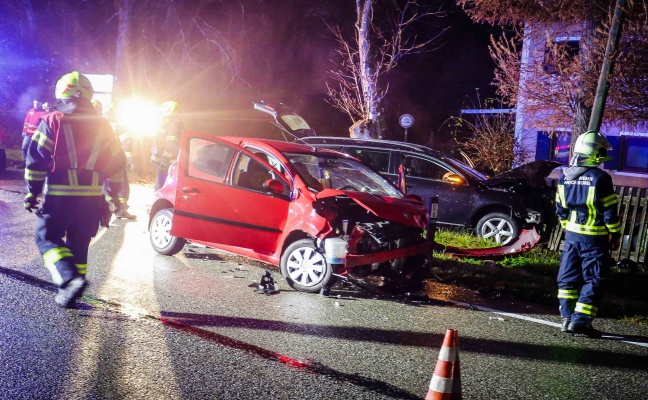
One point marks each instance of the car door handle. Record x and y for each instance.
(190, 190)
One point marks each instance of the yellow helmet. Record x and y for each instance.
(169, 107)
(590, 150)
(74, 84)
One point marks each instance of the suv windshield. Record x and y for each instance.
(321, 173)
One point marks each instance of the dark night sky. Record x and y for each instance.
(284, 57)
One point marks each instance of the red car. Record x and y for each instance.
(316, 213)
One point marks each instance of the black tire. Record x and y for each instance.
(304, 267)
(161, 240)
(499, 227)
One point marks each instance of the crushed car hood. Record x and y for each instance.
(404, 211)
(531, 174)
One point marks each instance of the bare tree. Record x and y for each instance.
(489, 138)
(379, 43)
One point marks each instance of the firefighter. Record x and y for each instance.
(29, 126)
(587, 208)
(167, 141)
(121, 211)
(72, 151)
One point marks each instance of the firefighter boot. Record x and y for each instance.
(565, 325)
(584, 328)
(122, 213)
(68, 294)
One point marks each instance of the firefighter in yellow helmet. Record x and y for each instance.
(72, 152)
(586, 205)
(167, 141)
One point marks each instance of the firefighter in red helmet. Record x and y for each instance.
(72, 152)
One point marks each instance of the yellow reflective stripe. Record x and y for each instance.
(71, 149)
(82, 268)
(32, 175)
(68, 190)
(609, 200)
(586, 230)
(612, 228)
(171, 138)
(94, 154)
(43, 141)
(53, 256)
(561, 192)
(128, 154)
(73, 178)
(563, 223)
(168, 154)
(568, 294)
(589, 202)
(95, 178)
(586, 309)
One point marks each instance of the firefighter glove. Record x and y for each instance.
(615, 240)
(106, 215)
(30, 202)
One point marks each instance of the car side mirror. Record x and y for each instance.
(274, 186)
(454, 178)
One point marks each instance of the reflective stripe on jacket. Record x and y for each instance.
(587, 204)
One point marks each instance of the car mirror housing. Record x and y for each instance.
(454, 178)
(274, 186)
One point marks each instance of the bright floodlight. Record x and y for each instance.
(138, 117)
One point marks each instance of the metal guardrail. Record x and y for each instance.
(633, 209)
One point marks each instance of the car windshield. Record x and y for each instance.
(324, 172)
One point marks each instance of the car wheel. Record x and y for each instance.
(161, 240)
(498, 227)
(305, 268)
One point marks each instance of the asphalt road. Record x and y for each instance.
(192, 326)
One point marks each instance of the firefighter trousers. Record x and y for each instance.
(584, 269)
(64, 228)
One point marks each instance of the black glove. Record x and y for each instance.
(30, 202)
(615, 240)
(106, 214)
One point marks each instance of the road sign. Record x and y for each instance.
(406, 121)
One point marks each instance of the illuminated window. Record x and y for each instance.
(634, 150)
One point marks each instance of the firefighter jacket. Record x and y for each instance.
(586, 205)
(31, 121)
(167, 142)
(73, 152)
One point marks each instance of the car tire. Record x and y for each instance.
(499, 227)
(161, 240)
(304, 267)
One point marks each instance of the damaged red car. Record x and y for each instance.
(317, 214)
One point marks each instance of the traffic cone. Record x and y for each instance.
(446, 381)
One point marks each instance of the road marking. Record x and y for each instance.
(536, 320)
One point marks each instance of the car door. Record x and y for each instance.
(212, 206)
(425, 177)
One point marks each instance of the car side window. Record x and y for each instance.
(378, 160)
(251, 174)
(424, 168)
(209, 160)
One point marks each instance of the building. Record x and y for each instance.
(547, 139)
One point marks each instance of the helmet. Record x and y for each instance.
(590, 150)
(74, 84)
(169, 107)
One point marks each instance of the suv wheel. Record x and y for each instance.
(498, 227)
(161, 240)
(304, 268)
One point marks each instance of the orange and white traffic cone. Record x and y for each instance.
(446, 381)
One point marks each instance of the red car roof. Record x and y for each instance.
(282, 147)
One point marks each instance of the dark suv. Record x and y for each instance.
(496, 208)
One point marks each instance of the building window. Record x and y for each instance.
(560, 53)
(634, 150)
(560, 147)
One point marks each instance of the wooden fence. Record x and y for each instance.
(633, 203)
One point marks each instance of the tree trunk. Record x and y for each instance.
(122, 47)
(582, 112)
(368, 79)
